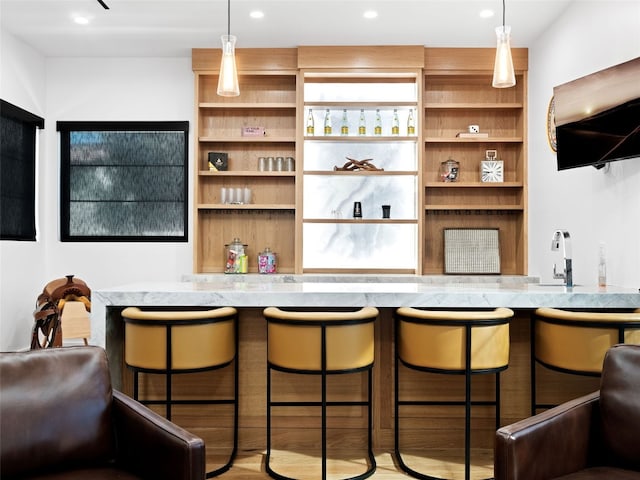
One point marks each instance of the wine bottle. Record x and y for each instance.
(362, 125)
(377, 130)
(344, 127)
(411, 123)
(395, 126)
(310, 123)
(327, 123)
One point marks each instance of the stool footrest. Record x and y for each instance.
(319, 404)
(488, 403)
(187, 402)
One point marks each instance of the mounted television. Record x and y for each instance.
(597, 117)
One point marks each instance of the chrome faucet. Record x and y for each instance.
(563, 237)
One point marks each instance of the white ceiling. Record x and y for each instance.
(163, 28)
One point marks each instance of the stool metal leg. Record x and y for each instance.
(169, 367)
(467, 405)
(232, 456)
(135, 385)
(323, 343)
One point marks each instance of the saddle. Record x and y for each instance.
(50, 305)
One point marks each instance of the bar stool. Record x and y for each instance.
(321, 343)
(454, 343)
(180, 342)
(576, 342)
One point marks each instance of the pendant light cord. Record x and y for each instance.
(229, 16)
(503, 14)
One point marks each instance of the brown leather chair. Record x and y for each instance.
(60, 419)
(593, 437)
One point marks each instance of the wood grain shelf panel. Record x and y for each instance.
(238, 139)
(244, 206)
(361, 220)
(246, 173)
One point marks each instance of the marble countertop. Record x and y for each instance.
(255, 290)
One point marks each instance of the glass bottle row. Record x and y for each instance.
(344, 125)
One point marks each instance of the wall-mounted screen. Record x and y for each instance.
(598, 117)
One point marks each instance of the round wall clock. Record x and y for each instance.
(551, 125)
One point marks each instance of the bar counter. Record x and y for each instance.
(251, 293)
(366, 290)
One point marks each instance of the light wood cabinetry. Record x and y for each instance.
(267, 100)
(458, 93)
(306, 216)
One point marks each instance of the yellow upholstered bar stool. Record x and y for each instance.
(180, 342)
(321, 343)
(455, 343)
(576, 342)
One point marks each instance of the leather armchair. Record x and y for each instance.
(60, 419)
(593, 437)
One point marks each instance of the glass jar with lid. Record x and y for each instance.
(236, 258)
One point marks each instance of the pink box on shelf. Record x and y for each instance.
(253, 132)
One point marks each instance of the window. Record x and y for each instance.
(123, 181)
(18, 172)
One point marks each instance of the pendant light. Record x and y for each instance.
(503, 74)
(228, 80)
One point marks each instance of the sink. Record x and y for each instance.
(556, 285)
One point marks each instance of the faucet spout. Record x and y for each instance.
(562, 238)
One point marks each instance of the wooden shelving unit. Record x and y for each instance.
(453, 90)
(268, 89)
(458, 93)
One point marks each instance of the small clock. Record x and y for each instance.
(492, 171)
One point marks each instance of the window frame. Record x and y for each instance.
(67, 127)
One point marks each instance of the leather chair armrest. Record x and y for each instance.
(548, 445)
(150, 446)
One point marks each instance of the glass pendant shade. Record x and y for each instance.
(228, 80)
(503, 74)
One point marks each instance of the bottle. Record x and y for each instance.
(395, 126)
(377, 130)
(344, 127)
(362, 125)
(310, 123)
(327, 123)
(602, 267)
(411, 124)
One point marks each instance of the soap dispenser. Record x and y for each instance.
(602, 266)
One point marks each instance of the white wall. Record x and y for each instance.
(92, 89)
(593, 205)
(22, 264)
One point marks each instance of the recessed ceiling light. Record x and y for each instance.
(486, 13)
(370, 14)
(81, 20)
(256, 14)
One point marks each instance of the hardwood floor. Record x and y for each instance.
(443, 463)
